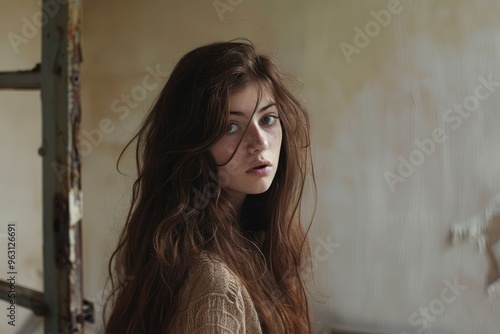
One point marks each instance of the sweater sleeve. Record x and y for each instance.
(215, 314)
(215, 302)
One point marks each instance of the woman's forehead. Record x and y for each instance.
(251, 96)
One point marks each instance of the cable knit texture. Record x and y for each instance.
(214, 301)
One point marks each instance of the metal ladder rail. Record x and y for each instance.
(58, 77)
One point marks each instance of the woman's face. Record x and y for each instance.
(252, 168)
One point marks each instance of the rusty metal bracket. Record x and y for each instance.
(25, 297)
(88, 311)
(30, 79)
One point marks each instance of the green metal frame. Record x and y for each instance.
(58, 77)
(62, 200)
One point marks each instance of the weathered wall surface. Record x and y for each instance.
(403, 97)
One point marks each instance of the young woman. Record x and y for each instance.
(213, 241)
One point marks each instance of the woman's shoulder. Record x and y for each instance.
(210, 275)
(213, 300)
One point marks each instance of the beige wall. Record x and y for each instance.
(382, 252)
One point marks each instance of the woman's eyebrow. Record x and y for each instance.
(240, 113)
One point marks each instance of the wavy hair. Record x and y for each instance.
(179, 207)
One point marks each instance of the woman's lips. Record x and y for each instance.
(260, 170)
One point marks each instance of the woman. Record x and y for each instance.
(213, 241)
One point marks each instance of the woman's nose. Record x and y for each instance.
(257, 140)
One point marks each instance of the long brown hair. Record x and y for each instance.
(179, 207)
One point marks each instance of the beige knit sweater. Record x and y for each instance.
(214, 301)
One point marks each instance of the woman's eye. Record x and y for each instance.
(231, 128)
(269, 119)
